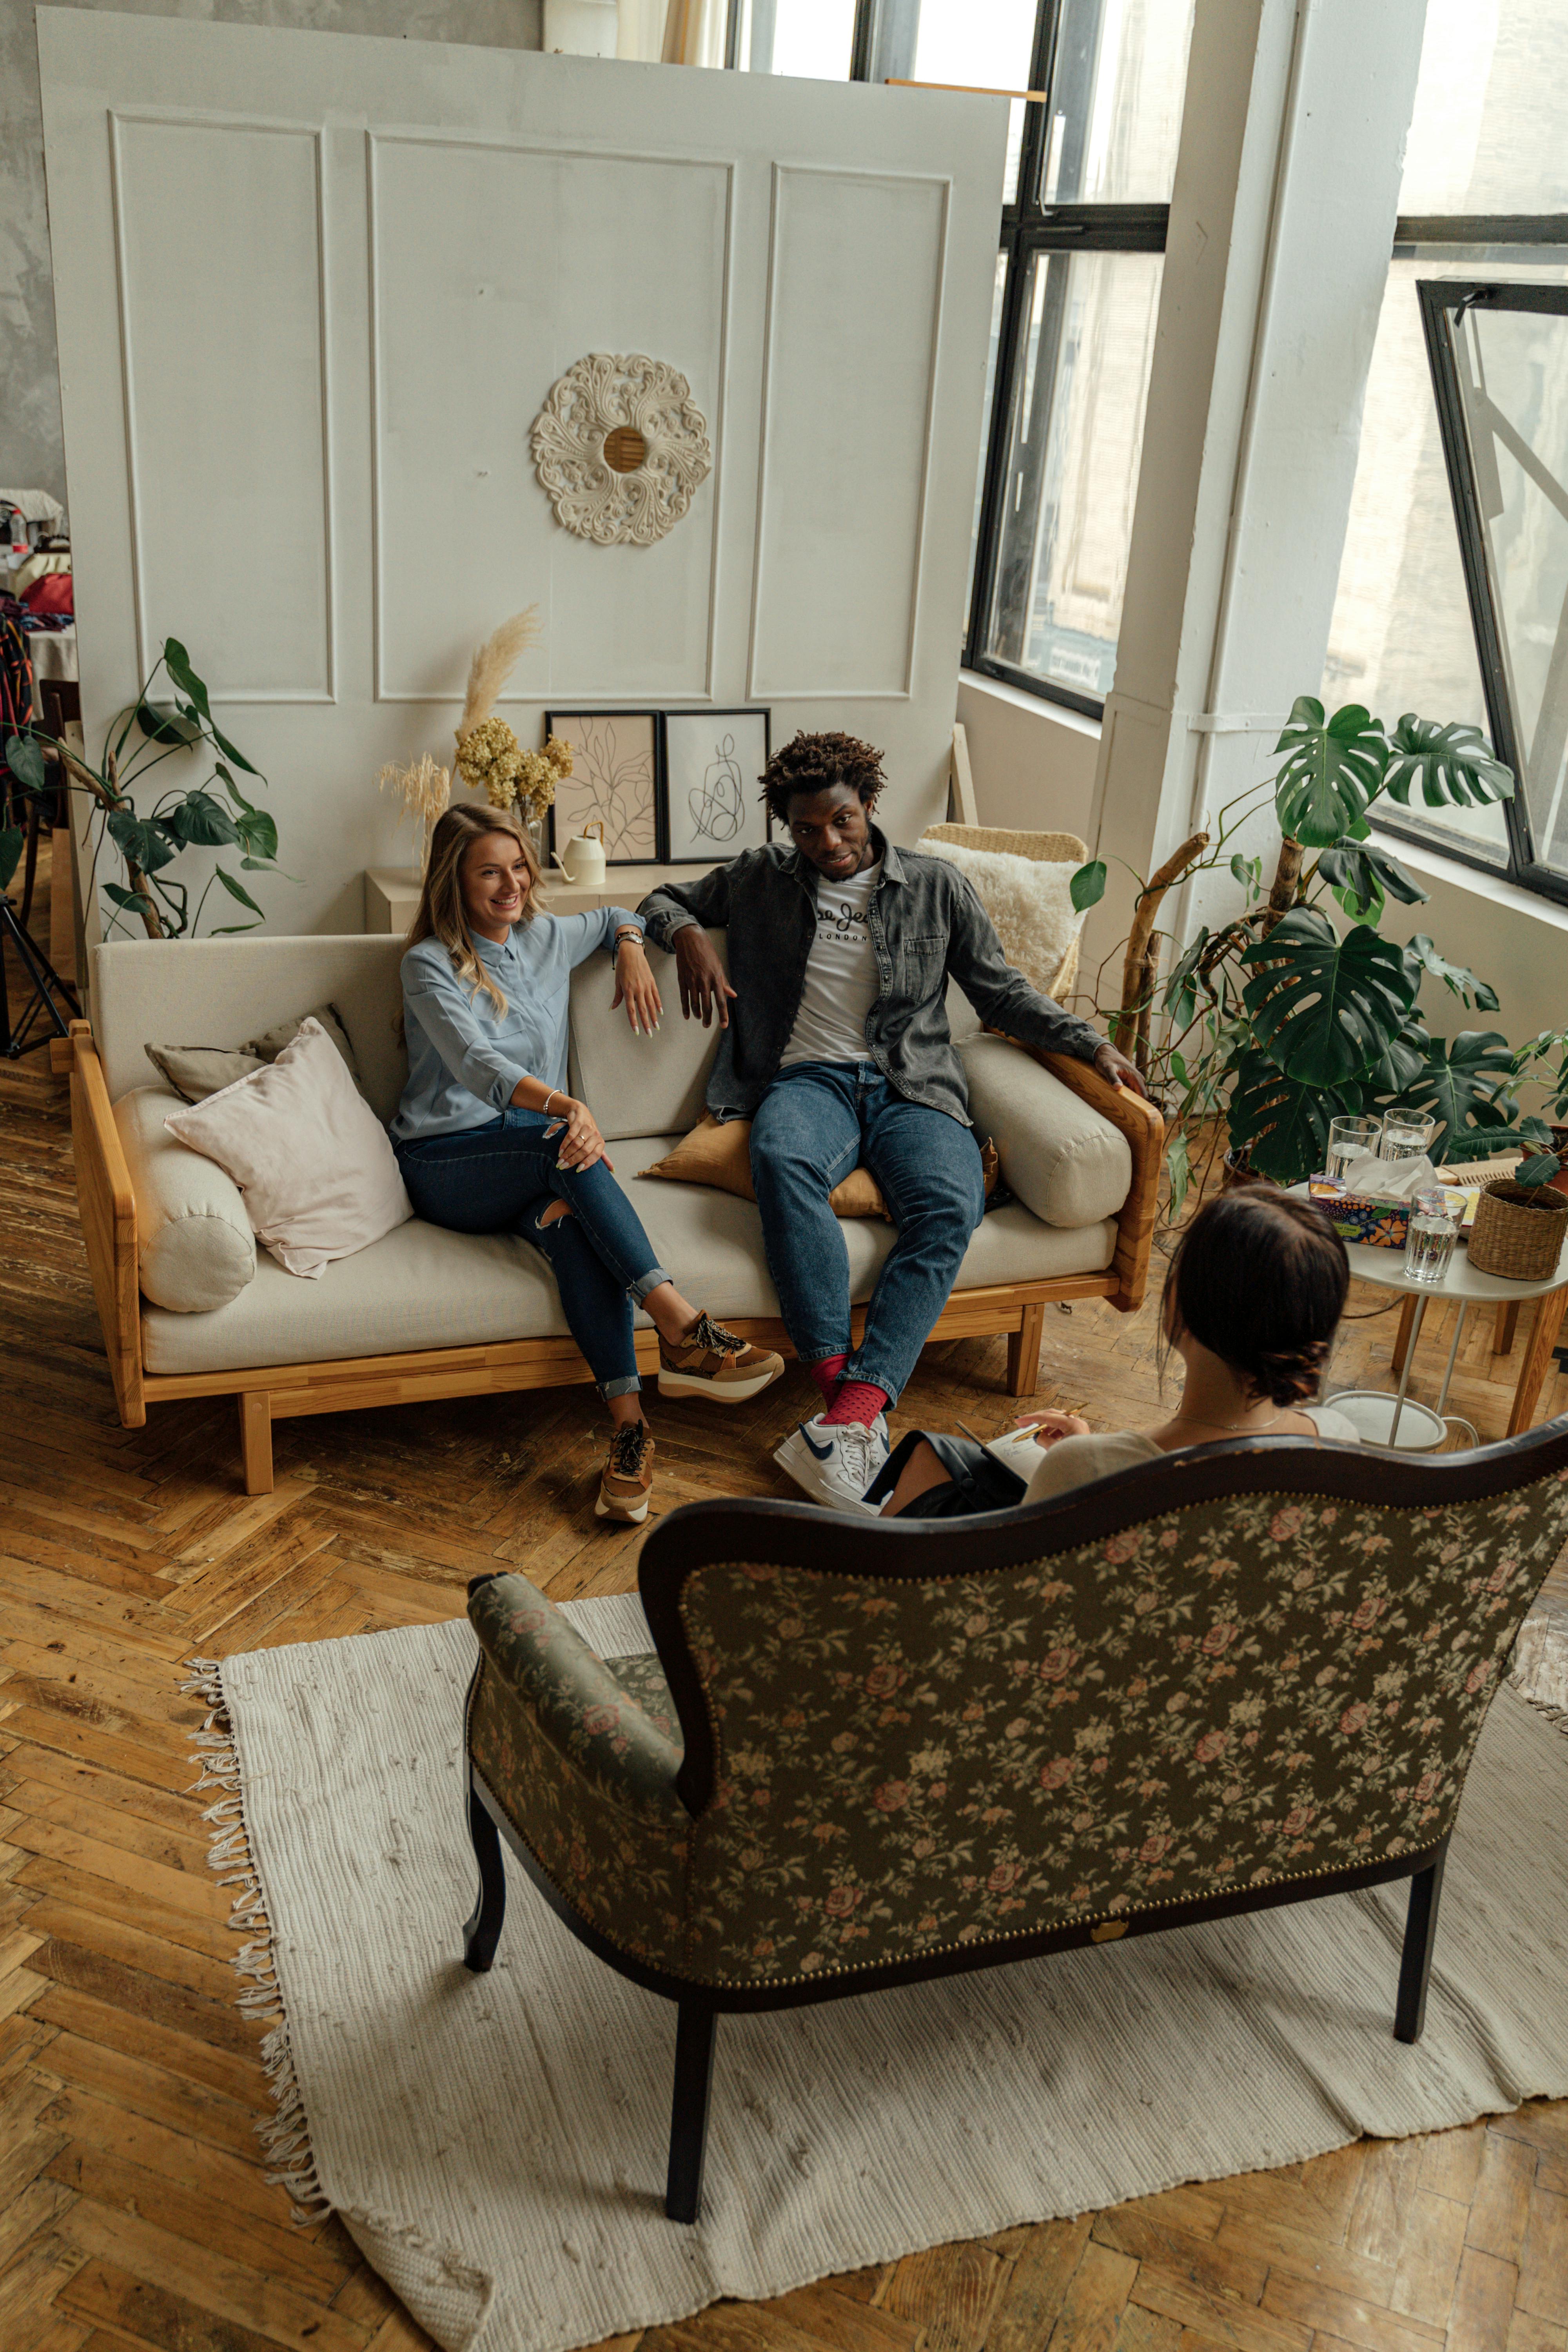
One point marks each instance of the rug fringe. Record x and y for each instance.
(285, 2136)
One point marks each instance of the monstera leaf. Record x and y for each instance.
(141, 839)
(1282, 1123)
(200, 817)
(1333, 769)
(1451, 764)
(1362, 875)
(1326, 1009)
(1459, 981)
(1458, 1084)
(1400, 1064)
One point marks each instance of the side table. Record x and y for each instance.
(1469, 1288)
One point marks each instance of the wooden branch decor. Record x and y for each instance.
(1141, 963)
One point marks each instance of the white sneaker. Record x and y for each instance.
(835, 1465)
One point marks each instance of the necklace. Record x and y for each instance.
(1198, 1421)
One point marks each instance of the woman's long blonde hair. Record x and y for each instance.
(441, 914)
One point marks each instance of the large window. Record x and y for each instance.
(1084, 200)
(1484, 198)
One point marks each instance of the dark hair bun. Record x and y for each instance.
(1261, 1280)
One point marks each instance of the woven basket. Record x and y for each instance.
(1519, 1233)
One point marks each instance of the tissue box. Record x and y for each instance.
(1360, 1216)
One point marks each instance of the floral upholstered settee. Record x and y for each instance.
(862, 1754)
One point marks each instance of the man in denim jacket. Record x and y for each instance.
(835, 1047)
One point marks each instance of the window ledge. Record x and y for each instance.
(1495, 889)
(1056, 714)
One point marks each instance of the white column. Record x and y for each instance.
(1281, 224)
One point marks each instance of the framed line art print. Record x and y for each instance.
(713, 762)
(614, 783)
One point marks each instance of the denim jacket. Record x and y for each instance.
(926, 926)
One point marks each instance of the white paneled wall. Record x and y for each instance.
(312, 291)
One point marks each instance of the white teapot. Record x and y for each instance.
(584, 863)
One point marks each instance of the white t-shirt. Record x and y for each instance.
(840, 974)
(1074, 1461)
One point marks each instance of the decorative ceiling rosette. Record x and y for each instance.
(620, 447)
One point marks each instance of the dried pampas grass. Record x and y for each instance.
(423, 789)
(493, 664)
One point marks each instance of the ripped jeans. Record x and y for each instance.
(502, 1179)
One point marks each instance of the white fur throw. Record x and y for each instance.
(1029, 902)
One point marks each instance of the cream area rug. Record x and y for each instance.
(496, 2143)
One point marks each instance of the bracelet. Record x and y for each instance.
(549, 1098)
(628, 931)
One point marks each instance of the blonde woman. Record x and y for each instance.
(489, 1141)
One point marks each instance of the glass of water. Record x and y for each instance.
(1406, 1134)
(1433, 1230)
(1350, 1139)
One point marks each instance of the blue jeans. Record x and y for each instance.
(817, 1119)
(501, 1179)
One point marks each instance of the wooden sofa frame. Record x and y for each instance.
(799, 1536)
(272, 1392)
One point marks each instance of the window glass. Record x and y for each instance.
(1075, 432)
(1401, 637)
(1512, 366)
(812, 38)
(1487, 135)
(1120, 70)
(989, 47)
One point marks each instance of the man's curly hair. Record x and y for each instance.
(814, 764)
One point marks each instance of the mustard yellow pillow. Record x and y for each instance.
(719, 1152)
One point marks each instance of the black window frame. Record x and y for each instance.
(884, 48)
(1498, 232)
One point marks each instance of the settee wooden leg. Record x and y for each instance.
(1024, 1352)
(256, 1440)
(481, 1929)
(1415, 1961)
(688, 2111)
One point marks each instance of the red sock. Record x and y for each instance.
(827, 1372)
(856, 1400)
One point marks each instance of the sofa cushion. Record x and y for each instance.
(638, 1086)
(1063, 1160)
(197, 1071)
(194, 1247)
(421, 1288)
(226, 991)
(320, 1178)
(719, 1152)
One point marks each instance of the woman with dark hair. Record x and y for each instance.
(1252, 1299)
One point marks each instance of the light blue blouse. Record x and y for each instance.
(464, 1059)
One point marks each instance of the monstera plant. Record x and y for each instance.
(1298, 1009)
(147, 828)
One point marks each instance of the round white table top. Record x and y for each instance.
(1462, 1280)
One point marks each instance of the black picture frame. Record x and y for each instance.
(570, 787)
(670, 833)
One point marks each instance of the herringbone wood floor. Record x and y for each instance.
(132, 2209)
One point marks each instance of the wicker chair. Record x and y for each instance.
(1045, 849)
(865, 1753)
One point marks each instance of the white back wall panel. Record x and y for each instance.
(856, 279)
(540, 258)
(226, 412)
(313, 290)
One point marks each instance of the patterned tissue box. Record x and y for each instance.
(1360, 1216)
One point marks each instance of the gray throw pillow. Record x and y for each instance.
(197, 1071)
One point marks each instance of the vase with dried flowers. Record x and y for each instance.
(490, 758)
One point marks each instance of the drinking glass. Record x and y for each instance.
(1429, 1244)
(1406, 1134)
(1349, 1138)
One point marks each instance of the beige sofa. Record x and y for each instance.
(425, 1313)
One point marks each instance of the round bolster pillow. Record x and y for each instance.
(195, 1246)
